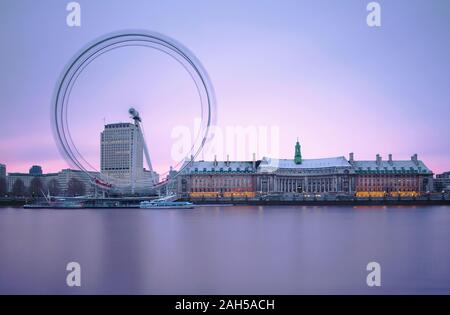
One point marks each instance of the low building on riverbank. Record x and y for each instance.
(55, 183)
(442, 182)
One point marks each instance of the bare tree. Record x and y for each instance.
(36, 187)
(53, 187)
(18, 188)
(76, 187)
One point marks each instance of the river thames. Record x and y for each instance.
(227, 250)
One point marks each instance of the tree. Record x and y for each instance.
(3, 187)
(18, 188)
(36, 186)
(53, 187)
(75, 187)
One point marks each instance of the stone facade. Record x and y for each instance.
(335, 175)
(331, 175)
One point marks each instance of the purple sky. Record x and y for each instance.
(312, 68)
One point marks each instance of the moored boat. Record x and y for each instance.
(55, 205)
(166, 205)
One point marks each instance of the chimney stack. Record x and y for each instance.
(254, 161)
(228, 160)
(351, 158)
(390, 158)
(378, 159)
(414, 159)
(215, 160)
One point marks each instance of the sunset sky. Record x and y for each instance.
(310, 69)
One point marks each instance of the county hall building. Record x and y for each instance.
(335, 175)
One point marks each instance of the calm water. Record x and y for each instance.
(226, 250)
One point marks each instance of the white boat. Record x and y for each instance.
(156, 204)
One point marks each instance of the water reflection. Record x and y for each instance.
(226, 250)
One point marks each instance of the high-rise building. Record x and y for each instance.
(122, 153)
(2, 170)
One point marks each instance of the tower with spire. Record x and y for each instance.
(298, 153)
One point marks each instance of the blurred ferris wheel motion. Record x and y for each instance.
(97, 48)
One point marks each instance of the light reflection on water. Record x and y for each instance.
(226, 250)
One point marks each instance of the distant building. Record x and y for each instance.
(46, 178)
(442, 182)
(149, 176)
(171, 186)
(62, 179)
(122, 154)
(2, 170)
(66, 175)
(380, 177)
(35, 170)
(24, 177)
